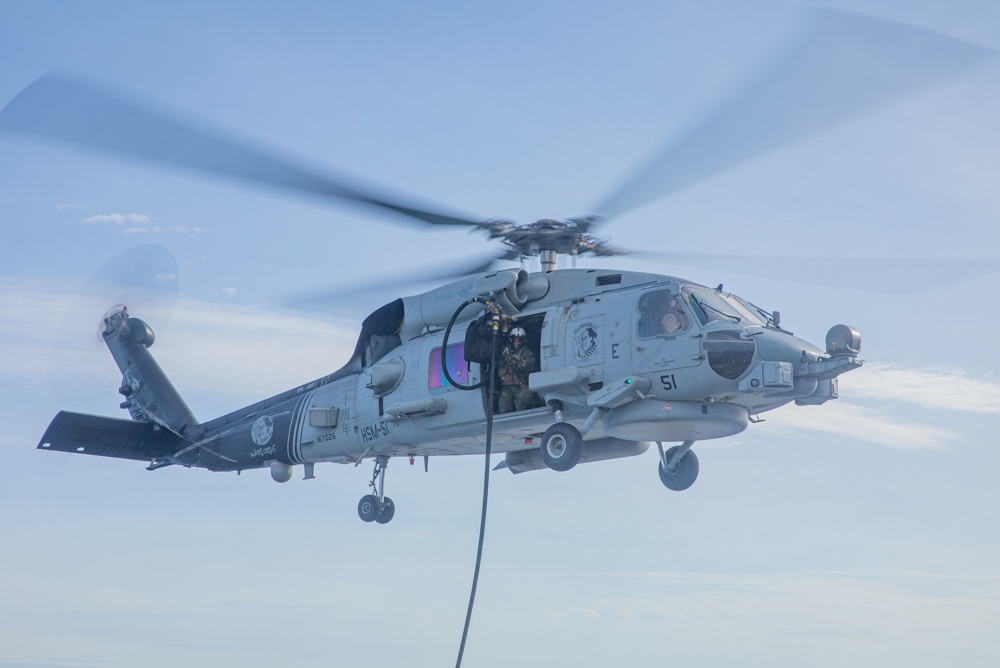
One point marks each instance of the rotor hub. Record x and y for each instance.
(548, 238)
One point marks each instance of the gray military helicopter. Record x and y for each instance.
(618, 359)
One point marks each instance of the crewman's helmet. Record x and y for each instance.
(518, 333)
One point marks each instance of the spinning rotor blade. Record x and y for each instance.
(58, 106)
(843, 65)
(335, 296)
(871, 274)
(144, 278)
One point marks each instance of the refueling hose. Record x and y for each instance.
(447, 333)
(491, 308)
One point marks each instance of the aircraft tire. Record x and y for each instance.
(684, 476)
(387, 512)
(561, 446)
(368, 508)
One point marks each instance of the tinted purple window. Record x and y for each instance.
(457, 367)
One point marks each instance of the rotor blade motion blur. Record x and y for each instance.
(66, 108)
(888, 275)
(341, 297)
(843, 65)
(145, 278)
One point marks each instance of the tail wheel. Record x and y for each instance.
(369, 508)
(561, 446)
(387, 511)
(682, 474)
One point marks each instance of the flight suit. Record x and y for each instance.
(515, 365)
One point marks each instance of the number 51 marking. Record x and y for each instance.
(668, 381)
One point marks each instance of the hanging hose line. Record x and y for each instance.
(490, 308)
(494, 312)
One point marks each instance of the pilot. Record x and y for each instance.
(674, 320)
(517, 361)
(660, 313)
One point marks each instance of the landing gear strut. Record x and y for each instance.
(678, 466)
(377, 507)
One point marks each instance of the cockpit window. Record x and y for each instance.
(749, 314)
(711, 305)
(661, 314)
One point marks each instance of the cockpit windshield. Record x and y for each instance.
(711, 305)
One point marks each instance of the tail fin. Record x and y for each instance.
(149, 396)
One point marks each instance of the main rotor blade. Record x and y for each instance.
(338, 296)
(890, 275)
(66, 108)
(843, 65)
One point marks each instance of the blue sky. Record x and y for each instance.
(863, 532)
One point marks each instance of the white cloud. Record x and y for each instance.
(138, 223)
(69, 206)
(859, 423)
(885, 388)
(815, 612)
(248, 353)
(117, 219)
(929, 387)
(189, 231)
(235, 354)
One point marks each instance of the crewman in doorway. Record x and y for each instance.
(517, 361)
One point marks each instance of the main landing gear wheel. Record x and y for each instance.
(368, 508)
(561, 446)
(681, 474)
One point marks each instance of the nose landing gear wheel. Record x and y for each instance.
(561, 446)
(681, 474)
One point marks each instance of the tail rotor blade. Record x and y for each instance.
(144, 278)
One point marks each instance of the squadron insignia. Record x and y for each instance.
(585, 341)
(262, 430)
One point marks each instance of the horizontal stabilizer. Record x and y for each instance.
(107, 437)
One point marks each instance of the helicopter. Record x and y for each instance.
(621, 359)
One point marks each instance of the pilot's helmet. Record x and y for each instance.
(518, 333)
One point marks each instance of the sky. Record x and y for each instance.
(862, 532)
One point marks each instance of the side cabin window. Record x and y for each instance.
(661, 314)
(458, 368)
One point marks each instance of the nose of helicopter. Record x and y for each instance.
(780, 346)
